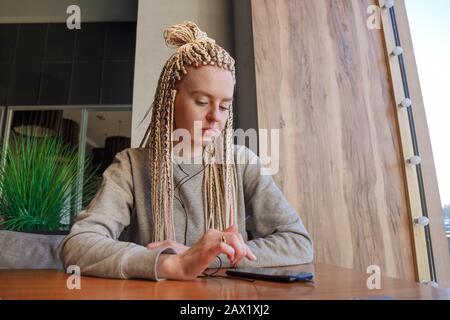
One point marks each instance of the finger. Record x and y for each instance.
(250, 255)
(248, 252)
(242, 246)
(234, 241)
(228, 250)
(232, 229)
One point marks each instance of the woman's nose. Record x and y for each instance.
(213, 115)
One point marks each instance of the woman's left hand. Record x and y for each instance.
(178, 247)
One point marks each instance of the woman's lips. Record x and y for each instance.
(210, 131)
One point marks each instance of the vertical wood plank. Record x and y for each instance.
(410, 171)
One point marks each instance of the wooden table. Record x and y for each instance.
(330, 283)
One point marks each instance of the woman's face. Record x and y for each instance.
(203, 102)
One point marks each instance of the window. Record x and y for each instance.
(430, 31)
(98, 132)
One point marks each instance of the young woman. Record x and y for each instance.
(157, 216)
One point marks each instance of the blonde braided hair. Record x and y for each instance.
(194, 48)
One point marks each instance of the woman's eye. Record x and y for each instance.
(224, 108)
(202, 103)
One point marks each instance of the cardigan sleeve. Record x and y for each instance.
(93, 244)
(281, 238)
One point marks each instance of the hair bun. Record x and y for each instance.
(184, 33)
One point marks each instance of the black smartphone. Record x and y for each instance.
(271, 274)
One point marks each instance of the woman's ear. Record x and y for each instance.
(177, 85)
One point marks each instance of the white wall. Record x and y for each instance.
(212, 16)
(42, 11)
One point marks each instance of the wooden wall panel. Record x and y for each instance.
(322, 78)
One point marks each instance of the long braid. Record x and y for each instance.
(230, 172)
(194, 48)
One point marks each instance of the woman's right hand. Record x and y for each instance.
(191, 263)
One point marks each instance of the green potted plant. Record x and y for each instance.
(39, 190)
